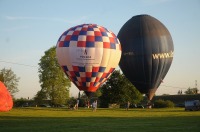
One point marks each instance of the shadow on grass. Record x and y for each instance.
(43, 108)
(95, 124)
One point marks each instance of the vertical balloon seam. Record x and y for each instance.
(162, 75)
(151, 67)
(142, 50)
(108, 60)
(155, 69)
(163, 60)
(160, 62)
(152, 78)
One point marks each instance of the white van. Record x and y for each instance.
(193, 105)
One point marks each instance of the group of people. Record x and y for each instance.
(94, 105)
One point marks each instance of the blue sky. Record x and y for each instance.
(28, 28)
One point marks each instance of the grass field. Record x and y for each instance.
(106, 120)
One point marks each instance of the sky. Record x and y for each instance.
(28, 28)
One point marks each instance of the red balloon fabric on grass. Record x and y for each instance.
(6, 102)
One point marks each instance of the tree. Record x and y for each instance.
(40, 96)
(179, 92)
(191, 91)
(163, 104)
(10, 80)
(54, 84)
(97, 93)
(118, 89)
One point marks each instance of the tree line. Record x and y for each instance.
(55, 85)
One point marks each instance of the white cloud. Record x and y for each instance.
(154, 2)
(16, 28)
(76, 21)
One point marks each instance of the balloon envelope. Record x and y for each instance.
(6, 102)
(88, 54)
(147, 52)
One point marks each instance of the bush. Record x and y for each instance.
(169, 104)
(163, 104)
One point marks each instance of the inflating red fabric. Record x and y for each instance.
(6, 102)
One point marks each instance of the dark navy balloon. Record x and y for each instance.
(147, 52)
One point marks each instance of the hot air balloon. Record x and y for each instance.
(6, 102)
(88, 54)
(147, 52)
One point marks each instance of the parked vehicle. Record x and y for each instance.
(193, 105)
(44, 105)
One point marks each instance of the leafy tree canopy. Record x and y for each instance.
(191, 91)
(118, 89)
(54, 84)
(10, 80)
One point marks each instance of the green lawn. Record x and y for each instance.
(117, 120)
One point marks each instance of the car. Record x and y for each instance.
(180, 105)
(140, 106)
(25, 105)
(44, 105)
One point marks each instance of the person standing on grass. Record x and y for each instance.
(77, 103)
(88, 104)
(127, 105)
(94, 105)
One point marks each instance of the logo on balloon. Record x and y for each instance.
(163, 55)
(128, 53)
(84, 54)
